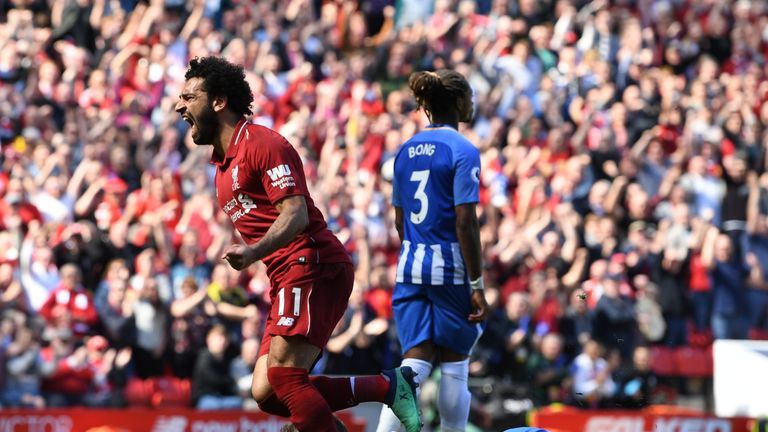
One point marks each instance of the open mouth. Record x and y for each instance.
(188, 120)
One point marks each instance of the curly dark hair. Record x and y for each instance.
(442, 92)
(223, 79)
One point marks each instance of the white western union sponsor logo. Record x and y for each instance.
(437, 265)
(458, 264)
(281, 177)
(279, 171)
(401, 263)
(418, 260)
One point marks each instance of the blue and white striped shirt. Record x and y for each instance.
(435, 171)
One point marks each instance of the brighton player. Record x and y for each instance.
(439, 303)
(260, 185)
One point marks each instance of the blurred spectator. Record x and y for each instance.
(230, 300)
(12, 295)
(213, 387)
(729, 278)
(116, 313)
(512, 329)
(111, 376)
(670, 270)
(22, 377)
(39, 274)
(650, 320)
(576, 323)
(152, 323)
(191, 313)
(615, 325)
(116, 272)
(592, 381)
(359, 344)
(612, 139)
(67, 375)
(191, 263)
(78, 247)
(149, 266)
(100, 361)
(700, 283)
(70, 304)
(636, 386)
(548, 368)
(241, 370)
(757, 208)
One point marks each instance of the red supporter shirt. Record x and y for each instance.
(259, 170)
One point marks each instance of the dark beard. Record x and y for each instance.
(207, 127)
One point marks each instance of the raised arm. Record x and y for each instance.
(576, 272)
(753, 204)
(339, 342)
(181, 307)
(193, 20)
(708, 248)
(756, 276)
(614, 194)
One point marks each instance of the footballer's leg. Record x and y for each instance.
(288, 363)
(413, 317)
(454, 398)
(298, 330)
(418, 359)
(455, 336)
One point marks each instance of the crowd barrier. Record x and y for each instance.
(148, 420)
(553, 419)
(653, 419)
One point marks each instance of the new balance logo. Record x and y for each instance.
(170, 424)
(279, 171)
(285, 321)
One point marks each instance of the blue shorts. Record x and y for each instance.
(437, 313)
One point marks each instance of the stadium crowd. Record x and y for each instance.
(623, 203)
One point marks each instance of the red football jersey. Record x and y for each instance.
(260, 169)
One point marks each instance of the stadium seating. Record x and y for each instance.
(758, 334)
(138, 393)
(698, 338)
(693, 362)
(171, 392)
(663, 361)
(158, 392)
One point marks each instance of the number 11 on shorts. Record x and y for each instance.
(296, 301)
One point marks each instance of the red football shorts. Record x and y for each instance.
(309, 300)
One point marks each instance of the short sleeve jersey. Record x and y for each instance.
(260, 169)
(435, 171)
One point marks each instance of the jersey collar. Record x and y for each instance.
(232, 148)
(439, 126)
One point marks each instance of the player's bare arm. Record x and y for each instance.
(468, 232)
(292, 220)
(399, 222)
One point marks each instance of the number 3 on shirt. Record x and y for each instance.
(421, 177)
